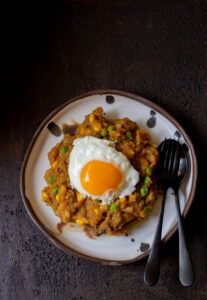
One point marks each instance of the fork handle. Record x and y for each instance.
(185, 265)
(152, 270)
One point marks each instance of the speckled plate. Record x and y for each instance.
(104, 249)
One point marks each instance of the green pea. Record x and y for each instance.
(147, 209)
(143, 191)
(51, 179)
(113, 207)
(147, 180)
(148, 171)
(55, 190)
(111, 128)
(104, 133)
(64, 149)
(129, 135)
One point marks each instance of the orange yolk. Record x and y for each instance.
(97, 177)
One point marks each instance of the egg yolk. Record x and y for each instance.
(97, 177)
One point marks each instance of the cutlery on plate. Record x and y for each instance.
(171, 171)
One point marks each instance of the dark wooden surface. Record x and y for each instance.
(57, 50)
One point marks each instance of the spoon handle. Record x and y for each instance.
(152, 270)
(185, 265)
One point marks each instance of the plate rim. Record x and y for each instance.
(46, 231)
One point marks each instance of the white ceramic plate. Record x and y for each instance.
(104, 249)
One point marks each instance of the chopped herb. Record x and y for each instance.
(142, 202)
(55, 191)
(147, 180)
(111, 128)
(129, 135)
(113, 207)
(144, 191)
(147, 209)
(64, 149)
(51, 178)
(99, 201)
(148, 171)
(104, 133)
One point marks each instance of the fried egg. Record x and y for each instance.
(97, 170)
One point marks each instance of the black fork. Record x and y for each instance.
(152, 270)
(168, 176)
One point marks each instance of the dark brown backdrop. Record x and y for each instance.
(57, 50)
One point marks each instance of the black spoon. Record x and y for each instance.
(185, 265)
(171, 171)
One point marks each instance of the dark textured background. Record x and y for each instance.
(56, 50)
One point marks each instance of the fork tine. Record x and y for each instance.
(162, 150)
(167, 156)
(176, 160)
(172, 156)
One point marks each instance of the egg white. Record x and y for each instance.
(90, 148)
